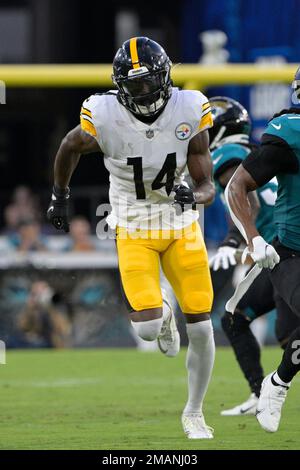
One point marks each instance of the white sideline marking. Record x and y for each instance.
(74, 381)
(71, 382)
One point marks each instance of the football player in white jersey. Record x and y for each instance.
(149, 132)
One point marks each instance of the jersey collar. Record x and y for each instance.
(159, 124)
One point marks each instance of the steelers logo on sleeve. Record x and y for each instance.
(183, 131)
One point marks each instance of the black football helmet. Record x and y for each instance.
(141, 72)
(229, 118)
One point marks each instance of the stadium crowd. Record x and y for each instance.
(43, 307)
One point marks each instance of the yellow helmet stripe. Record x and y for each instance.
(134, 53)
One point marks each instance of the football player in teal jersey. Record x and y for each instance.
(278, 155)
(230, 146)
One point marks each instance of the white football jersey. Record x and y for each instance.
(145, 161)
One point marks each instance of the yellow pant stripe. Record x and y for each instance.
(134, 53)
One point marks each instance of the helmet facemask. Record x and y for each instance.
(145, 93)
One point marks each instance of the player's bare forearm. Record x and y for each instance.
(200, 168)
(224, 179)
(75, 143)
(254, 204)
(237, 197)
(64, 166)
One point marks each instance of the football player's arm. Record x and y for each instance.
(236, 195)
(274, 156)
(200, 167)
(76, 143)
(224, 179)
(227, 254)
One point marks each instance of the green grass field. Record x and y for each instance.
(125, 399)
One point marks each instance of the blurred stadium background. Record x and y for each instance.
(59, 291)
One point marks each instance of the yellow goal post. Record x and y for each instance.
(190, 76)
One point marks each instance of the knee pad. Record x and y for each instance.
(148, 330)
(284, 341)
(234, 325)
(145, 299)
(286, 323)
(283, 333)
(197, 302)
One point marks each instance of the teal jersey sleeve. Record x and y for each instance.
(287, 206)
(286, 127)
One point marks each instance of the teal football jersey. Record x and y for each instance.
(236, 153)
(287, 207)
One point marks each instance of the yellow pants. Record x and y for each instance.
(183, 258)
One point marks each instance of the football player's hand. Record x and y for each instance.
(58, 211)
(224, 258)
(184, 197)
(263, 254)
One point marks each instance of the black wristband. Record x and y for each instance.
(233, 238)
(232, 242)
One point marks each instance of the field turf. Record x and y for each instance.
(125, 399)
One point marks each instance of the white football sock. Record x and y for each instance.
(148, 330)
(199, 362)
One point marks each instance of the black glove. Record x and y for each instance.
(184, 196)
(58, 211)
